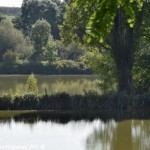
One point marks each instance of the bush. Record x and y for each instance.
(13, 39)
(32, 84)
(26, 102)
(10, 58)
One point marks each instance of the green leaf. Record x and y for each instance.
(130, 20)
(131, 1)
(131, 25)
(101, 40)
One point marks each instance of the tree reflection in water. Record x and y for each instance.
(104, 134)
(141, 134)
(124, 135)
(101, 138)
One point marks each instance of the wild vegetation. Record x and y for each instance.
(116, 35)
(31, 43)
(88, 103)
(66, 38)
(54, 37)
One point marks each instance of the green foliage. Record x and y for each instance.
(31, 84)
(112, 26)
(33, 10)
(10, 57)
(11, 38)
(2, 17)
(58, 67)
(103, 64)
(89, 103)
(142, 80)
(68, 64)
(103, 13)
(50, 53)
(141, 71)
(73, 27)
(73, 51)
(40, 36)
(41, 32)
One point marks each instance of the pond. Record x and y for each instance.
(40, 133)
(72, 84)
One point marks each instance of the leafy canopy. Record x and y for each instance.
(40, 33)
(32, 10)
(13, 39)
(103, 12)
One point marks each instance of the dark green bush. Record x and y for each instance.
(44, 69)
(5, 102)
(26, 102)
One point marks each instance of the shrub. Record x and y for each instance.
(10, 58)
(32, 84)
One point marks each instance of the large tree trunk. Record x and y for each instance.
(122, 45)
(124, 78)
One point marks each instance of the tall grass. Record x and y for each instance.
(52, 85)
(90, 102)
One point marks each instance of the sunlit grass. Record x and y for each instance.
(78, 87)
(71, 87)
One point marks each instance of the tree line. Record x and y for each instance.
(32, 39)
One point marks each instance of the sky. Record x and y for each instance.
(11, 3)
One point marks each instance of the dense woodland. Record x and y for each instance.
(53, 37)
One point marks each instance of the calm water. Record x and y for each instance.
(45, 134)
(73, 84)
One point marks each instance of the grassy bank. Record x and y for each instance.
(89, 103)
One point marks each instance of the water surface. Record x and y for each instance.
(37, 133)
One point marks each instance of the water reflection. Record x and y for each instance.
(141, 134)
(131, 135)
(101, 137)
(68, 131)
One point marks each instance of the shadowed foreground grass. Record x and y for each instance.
(89, 103)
